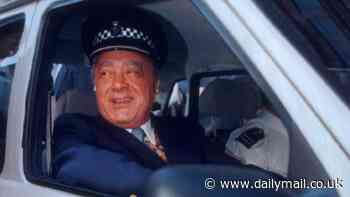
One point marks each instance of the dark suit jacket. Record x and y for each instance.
(89, 152)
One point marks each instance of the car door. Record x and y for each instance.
(318, 111)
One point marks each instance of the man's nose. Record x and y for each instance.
(119, 82)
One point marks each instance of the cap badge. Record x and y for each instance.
(116, 29)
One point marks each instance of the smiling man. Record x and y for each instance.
(118, 150)
(126, 84)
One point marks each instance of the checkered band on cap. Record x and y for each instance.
(126, 28)
(118, 31)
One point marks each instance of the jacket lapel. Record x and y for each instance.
(119, 140)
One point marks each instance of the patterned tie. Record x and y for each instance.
(140, 135)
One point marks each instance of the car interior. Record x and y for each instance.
(216, 91)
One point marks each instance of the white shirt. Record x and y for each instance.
(270, 153)
(149, 131)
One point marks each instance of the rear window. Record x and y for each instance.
(320, 29)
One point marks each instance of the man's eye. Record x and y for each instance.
(134, 72)
(104, 73)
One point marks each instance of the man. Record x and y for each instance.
(118, 150)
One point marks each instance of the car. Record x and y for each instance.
(295, 54)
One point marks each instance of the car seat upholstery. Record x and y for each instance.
(74, 72)
(77, 101)
(72, 81)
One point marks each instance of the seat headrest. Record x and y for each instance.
(76, 101)
(231, 99)
(69, 53)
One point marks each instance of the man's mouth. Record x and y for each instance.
(121, 100)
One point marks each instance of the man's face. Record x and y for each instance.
(125, 87)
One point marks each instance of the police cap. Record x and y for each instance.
(124, 28)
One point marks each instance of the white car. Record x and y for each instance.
(296, 51)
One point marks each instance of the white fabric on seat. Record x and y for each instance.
(271, 152)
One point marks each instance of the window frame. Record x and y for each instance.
(45, 10)
(33, 109)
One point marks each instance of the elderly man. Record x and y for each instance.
(118, 150)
